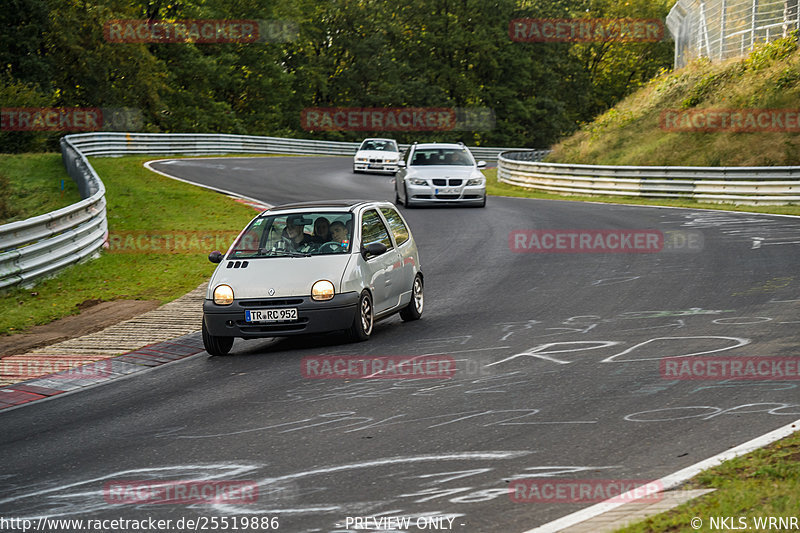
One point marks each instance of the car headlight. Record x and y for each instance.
(361, 159)
(417, 181)
(223, 295)
(322, 290)
(475, 181)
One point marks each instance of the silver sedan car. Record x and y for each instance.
(311, 268)
(436, 173)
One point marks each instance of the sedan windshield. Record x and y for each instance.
(295, 235)
(380, 145)
(442, 156)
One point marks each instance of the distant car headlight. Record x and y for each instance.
(322, 290)
(223, 295)
(361, 159)
(474, 181)
(417, 181)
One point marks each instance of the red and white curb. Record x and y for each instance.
(99, 371)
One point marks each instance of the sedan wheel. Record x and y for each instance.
(413, 311)
(364, 319)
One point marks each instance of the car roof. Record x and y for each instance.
(378, 139)
(439, 145)
(336, 204)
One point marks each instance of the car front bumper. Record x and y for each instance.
(433, 195)
(375, 167)
(312, 317)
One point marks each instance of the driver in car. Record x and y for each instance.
(294, 235)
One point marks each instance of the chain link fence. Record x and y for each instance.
(721, 29)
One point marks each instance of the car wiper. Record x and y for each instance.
(291, 253)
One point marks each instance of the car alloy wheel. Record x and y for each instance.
(413, 311)
(364, 319)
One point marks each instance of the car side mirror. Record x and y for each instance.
(215, 256)
(481, 164)
(374, 249)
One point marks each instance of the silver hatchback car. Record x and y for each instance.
(311, 268)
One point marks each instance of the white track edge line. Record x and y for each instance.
(215, 189)
(670, 481)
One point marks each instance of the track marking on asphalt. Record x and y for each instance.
(149, 166)
(670, 481)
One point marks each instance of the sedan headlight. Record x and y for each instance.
(223, 295)
(322, 290)
(417, 181)
(474, 181)
(361, 159)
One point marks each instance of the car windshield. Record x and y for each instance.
(442, 156)
(295, 235)
(379, 145)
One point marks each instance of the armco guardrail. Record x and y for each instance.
(115, 144)
(45, 244)
(740, 185)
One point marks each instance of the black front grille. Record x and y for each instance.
(448, 196)
(440, 182)
(455, 182)
(271, 303)
(277, 327)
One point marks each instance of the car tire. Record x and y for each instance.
(216, 344)
(356, 171)
(483, 204)
(413, 311)
(364, 320)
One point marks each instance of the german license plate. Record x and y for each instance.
(450, 190)
(270, 315)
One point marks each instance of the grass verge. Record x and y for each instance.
(30, 185)
(140, 202)
(496, 188)
(764, 483)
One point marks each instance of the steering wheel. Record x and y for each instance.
(331, 246)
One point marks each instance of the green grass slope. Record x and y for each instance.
(631, 132)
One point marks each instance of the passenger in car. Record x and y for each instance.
(339, 232)
(322, 231)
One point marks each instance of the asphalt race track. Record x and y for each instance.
(558, 374)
